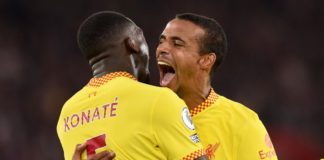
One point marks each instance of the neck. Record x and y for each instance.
(106, 66)
(195, 94)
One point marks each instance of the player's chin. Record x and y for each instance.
(172, 85)
(173, 88)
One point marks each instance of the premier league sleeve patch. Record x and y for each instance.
(187, 119)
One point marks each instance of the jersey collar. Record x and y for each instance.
(210, 100)
(97, 82)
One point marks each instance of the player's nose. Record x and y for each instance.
(162, 49)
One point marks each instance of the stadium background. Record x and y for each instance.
(274, 65)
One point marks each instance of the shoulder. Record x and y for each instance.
(162, 91)
(237, 110)
(238, 117)
(127, 86)
(167, 98)
(70, 104)
(154, 94)
(243, 120)
(251, 136)
(136, 85)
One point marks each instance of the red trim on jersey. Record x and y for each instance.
(97, 82)
(211, 99)
(195, 154)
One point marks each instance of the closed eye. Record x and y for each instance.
(178, 42)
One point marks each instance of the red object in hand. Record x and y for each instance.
(95, 143)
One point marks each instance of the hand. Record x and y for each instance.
(104, 155)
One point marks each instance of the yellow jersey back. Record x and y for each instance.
(135, 120)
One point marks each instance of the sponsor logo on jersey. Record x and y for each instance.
(187, 119)
(267, 154)
(264, 154)
(195, 138)
(268, 141)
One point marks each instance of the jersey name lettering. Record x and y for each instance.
(91, 115)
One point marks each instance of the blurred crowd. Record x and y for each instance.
(275, 66)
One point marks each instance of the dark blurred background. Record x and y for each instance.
(274, 66)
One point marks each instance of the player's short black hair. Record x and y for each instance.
(214, 39)
(100, 30)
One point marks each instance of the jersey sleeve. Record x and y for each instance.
(255, 142)
(173, 128)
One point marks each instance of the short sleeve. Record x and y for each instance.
(174, 129)
(255, 142)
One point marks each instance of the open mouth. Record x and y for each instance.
(167, 73)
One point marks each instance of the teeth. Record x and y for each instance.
(163, 63)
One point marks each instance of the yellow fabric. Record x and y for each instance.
(135, 120)
(230, 131)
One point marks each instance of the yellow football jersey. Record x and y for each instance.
(230, 131)
(135, 120)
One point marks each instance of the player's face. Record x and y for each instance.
(178, 54)
(142, 60)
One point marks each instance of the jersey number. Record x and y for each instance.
(95, 143)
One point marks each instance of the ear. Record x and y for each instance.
(131, 45)
(207, 61)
